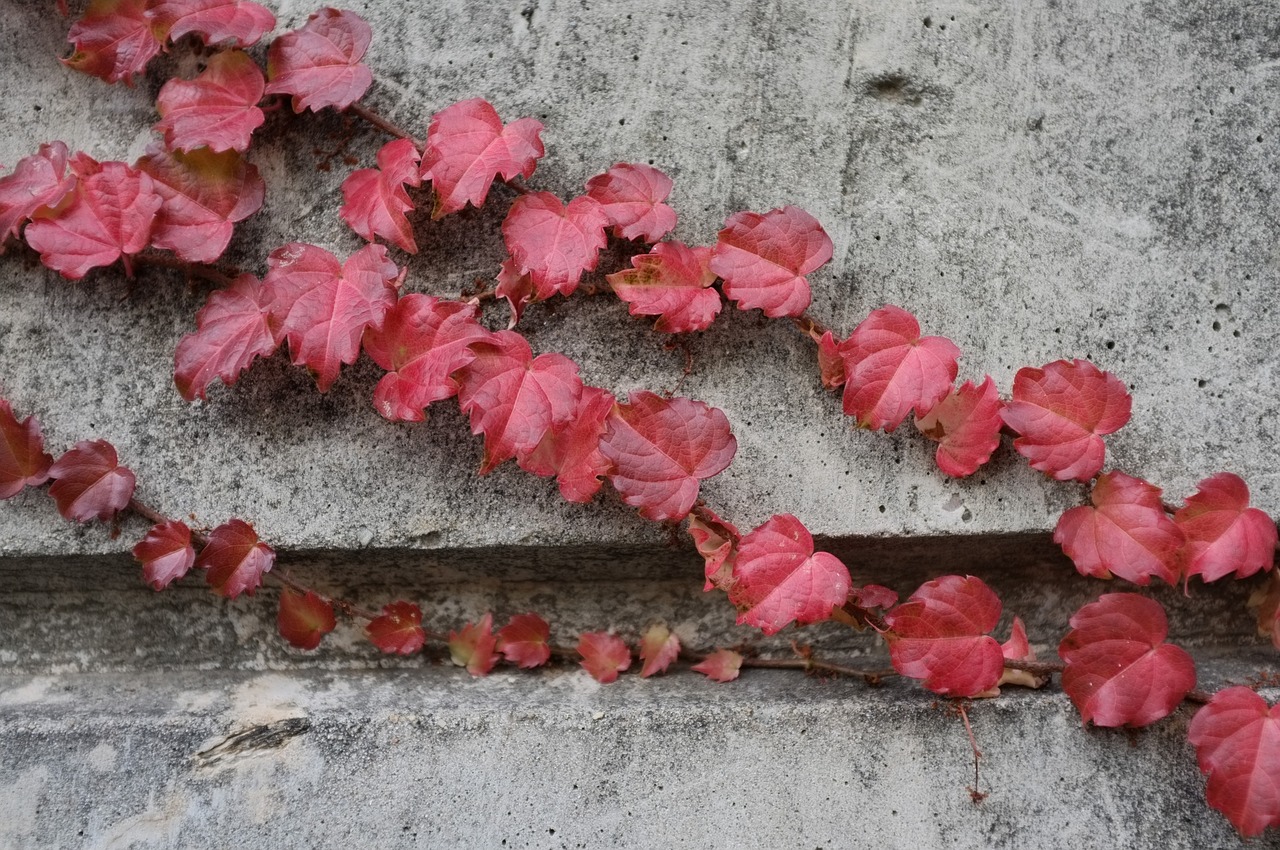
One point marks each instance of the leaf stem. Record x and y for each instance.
(390, 128)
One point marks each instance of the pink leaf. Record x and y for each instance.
(722, 665)
(717, 542)
(1018, 648)
(89, 482)
(236, 559)
(472, 647)
(632, 195)
(113, 41)
(604, 656)
(38, 183)
(778, 578)
(966, 425)
(304, 618)
(571, 452)
(1237, 741)
(218, 109)
(467, 147)
(165, 553)
(374, 199)
(870, 596)
(1224, 535)
(228, 23)
(233, 329)
(398, 629)
(941, 635)
(764, 259)
(659, 648)
(23, 460)
(552, 243)
(319, 64)
(525, 641)
(515, 286)
(830, 363)
(672, 282)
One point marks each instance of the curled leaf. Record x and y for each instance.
(472, 647)
(23, 460)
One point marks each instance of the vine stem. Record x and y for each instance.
(390, 128)
(221, 276)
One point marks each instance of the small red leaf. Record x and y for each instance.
(553, 243)
(218, 109)
(604, 656)
(89, 482)
(716, 541)
(723, 665)
(113, 41)
(1119, 670)
(764, 259)
(165, 553)
(467, 147)
(571, 451)
(778, 578)
(1237, 741)
(873, 596)
(941, 635)
(398, 630)
(38, 183)
(1125, 533)
(659, 648)
(830, 363)
(23, 460)
(672, 282)
(375, 201)
(661, 448)
(890, 369)
(228, 23)
(304, 618)
(236, 559)
(233, 329)
(319, 64)
(632, 195)
(966, 424)
(1018, 648)
(472, 647)
(1061, 411)
(1224, 535)
(525, 641)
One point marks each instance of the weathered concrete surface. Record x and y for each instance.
(1035, 180)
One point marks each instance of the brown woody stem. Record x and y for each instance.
(388, 127)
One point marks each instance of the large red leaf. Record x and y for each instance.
(236, 559)
(941, 635)
(1125, 532)
(233, 328)
(571, 452)
(1224, 535)
(514, 398)
(525, 641)
(1061, 411)
(661, 448)
(204, 194)
(398, 629)
(966, 424)
(631, 196)
(659, 649)
(324, 308)
(110, 215)
(717, 542)
(467, 147)
(38, 183)
(422, 342)
(604, 656)
(1237, 741)
(319, 64)
(113, 41)
(375, 201)
(23, 460)
(778, 578)
(166, 553)
(553, 243)
(764, 259)
(218, 109)
(473, 647)
(673, 282)
(1119, 671)
(890, 369)
(89, 482)
(229, 23)
(304, 618)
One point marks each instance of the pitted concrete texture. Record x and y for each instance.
(1034, 180)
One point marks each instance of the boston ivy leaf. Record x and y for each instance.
(89, 482)
(472, 647)
(1237, 741)
(467, 147)
(375, 201)
(525, 641)
(890, 369)
(659, 648)
(830, 362)
(571, 452)
(722, 665)
(165, 553)
(661, 448)
(764, 259)
(1224, 535)
(1018, 648)
(218, 109)
(1119, 671)
(604, 656)
(673, 282)
(113, 41)
(1125, 532)
(398, 629)
(304, 618)
(37, 184)
(966, 425)
(717, 542)
(554, 243)
(516, 287)
(870, 596)
(631, 196)
(319, 64)
(1061, 411)
(229, 23)
(23, 460)
(778, 578)
(233, 328)
(941, 635)
(236, 559)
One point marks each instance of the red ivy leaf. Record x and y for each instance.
(324, 308)
(723, 665)
(113, 41)
(966, 425)
(422, 342)
(472, 647)
(89, 482)
(661, 448)
(165, 553)
(1018, 648)
(830, 363)
(941, 635)
(229, 23)
(604, 656)
(553, 243)
(572, 452)
(1119, 670)
(304, 618)
(23, 460)
(764, 259)
(525, 641)
(672, 282)
(319, 64)
(38, 183)
(218, 109)
(659, 648)
(204, 194)
(1224, 535)
(110, 215)
(374, 199)
(516, 287)
(398, 630)
(873, 596)
(1061, 411)
(890, 369)
(236, 559)
(467, 147)
(233, 329)
(778, 578)
(716, 541)
(1237, 741)
(631, 196)
(1125, 533)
